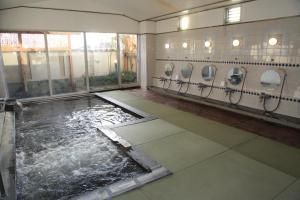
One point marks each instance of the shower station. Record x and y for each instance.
(271, 81)
(169, 68)
(236, 76)
(185, 78)
(209, 75)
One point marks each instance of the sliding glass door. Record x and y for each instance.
(102, 60)
(66, 60)
(41, 64)
(25, 64)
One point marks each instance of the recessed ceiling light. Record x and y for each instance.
(185, 45)
(235, 43)
(207, 44)
(272, 41)
(167, 45)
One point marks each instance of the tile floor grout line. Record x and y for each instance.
(287, 187)
(244, 142)
(264, 163)
(148, 197)
(208, 158)
(180, 132)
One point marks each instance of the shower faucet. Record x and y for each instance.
(229, 90)
(263, 96)
(201, 86)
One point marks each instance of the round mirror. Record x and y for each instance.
(169, 69)
(270, 79)
(186, 71)
(208, 72)
(235, 76)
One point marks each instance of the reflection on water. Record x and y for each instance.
(60, 153)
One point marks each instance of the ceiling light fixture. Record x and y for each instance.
(236, 43)
(272, 41)
(207, 44)
(167, 46)
(185, 45)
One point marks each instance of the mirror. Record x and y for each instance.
(186, 71)
(208, 72)
(270, 79)
(235, 76)
(169, 69)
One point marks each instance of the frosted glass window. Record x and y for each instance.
(233, 15)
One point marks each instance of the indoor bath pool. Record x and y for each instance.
(60, 153)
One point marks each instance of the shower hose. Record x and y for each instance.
(211, 86)
(188, 84)
(280, 96)
(242, 90)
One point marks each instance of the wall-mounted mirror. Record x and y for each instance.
(186, 70)
(235, 76)
(169, 69)
(208, 72)
(270, 79)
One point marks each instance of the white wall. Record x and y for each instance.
(147, 27)
(269, 9)
(33, 19)
(254, 54)
(147, 42)
(251, 11)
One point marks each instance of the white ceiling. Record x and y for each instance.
(136, 9)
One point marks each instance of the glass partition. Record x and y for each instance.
(102, 60)
(128, 58)
(66, 60)
(25, 64)
(30, 69)
(33, 62)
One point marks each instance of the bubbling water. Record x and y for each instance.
(60, 152)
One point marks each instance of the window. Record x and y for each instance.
(184, 23)
(128, 58)
(66, 59)
(102, 60)
(233, 15)
(25, 64)
(67, 63)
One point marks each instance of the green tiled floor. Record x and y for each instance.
(275, 154)
(223, 134)
(226, 176)
(147, 131)
(153, 108)
(291, 193)
(133, 195)
(121, 95)
(181, 150)
(210, 160)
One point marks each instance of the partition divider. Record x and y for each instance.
(124, 64)
(86, 62)
(48, 64)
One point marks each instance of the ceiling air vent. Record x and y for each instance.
(233, 15)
